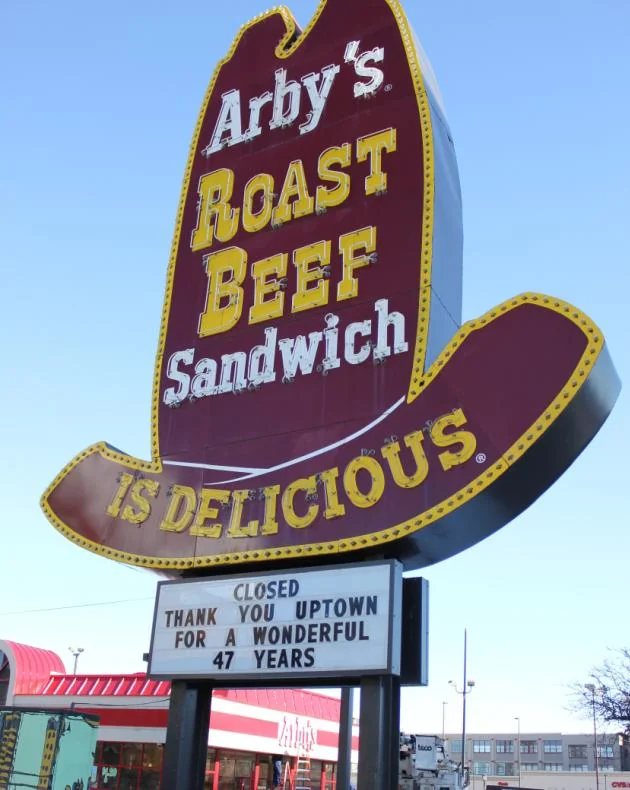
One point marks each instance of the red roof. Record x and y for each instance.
(30, 667)
(136, 685)
(297, 701)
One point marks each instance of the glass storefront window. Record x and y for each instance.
(131, 754)
(138, 766)
(128, 766)
(150, 779)
(264, 773)
(128, 779)
(111, 754)
(152, 756)
(107, 776)
(227, 767)
(236, 771)
(316, 773)
(244, 767)
(330, 775)
(211, 758)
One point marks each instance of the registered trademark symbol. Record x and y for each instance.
(388, 87)
(481, 458)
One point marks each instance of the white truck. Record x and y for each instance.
(424, 765)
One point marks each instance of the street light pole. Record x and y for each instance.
(444, 704)
(590, 687)
(467, 688)
(518, 747)
(76, 652)
(464, 695)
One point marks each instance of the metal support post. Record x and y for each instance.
(379, 724)
(394, 745)
(187, 735)
(344, 758)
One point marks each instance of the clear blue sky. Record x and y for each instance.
(99, 104)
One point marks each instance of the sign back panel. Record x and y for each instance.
(314, 392)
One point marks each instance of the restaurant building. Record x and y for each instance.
(248, 727)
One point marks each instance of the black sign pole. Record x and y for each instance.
(344, 755)
(379, 726)
(186, 747)
(394, 733)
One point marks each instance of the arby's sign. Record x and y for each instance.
(315, 393)
(296, 734)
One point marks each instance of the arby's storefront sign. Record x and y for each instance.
(296, 735)
(315, 392)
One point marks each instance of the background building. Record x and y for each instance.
(501, 754)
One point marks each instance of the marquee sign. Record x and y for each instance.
(314, 392)
(288, 626)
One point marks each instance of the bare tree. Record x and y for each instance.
(607, 694)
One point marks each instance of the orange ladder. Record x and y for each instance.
(303, 773)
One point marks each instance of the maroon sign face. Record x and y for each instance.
(314, 394)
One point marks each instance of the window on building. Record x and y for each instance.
(578, 768)
(236, 770)
(211, 768)
(132, 754)
(504, 769)
(108, 760)
(606, 768)
(529, 767)
(552, 747)
(110, 754)
(605, 751)
(503, 747)
(482, 746)
(106, 776)
(128, 766)
(330, 775)
(456, 746)
(138, 766)
(151, 770)
(316, 773)
(552, 767)
(529, 747)
(482, 768)
(577, 750)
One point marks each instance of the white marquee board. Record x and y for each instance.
(294, 625)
